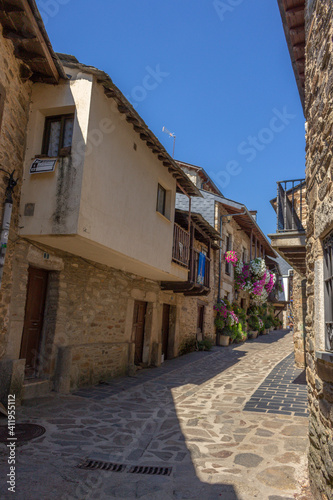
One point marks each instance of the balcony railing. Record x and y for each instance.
(181, 246)
(197, 264)
(291, 207)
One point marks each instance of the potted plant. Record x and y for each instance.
(227, 337)
(261, 327)
(268, 324)
(226, 322)
(221, 330)
(253, 325)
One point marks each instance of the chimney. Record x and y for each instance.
(254, 214)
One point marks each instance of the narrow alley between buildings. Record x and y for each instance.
(230, 423)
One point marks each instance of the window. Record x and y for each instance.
(228, 247)
(328, 291)
(161, 197)
(58, 134)
(244, 257)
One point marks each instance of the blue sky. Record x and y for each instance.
(223, 82)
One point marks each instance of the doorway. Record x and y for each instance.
(200, 322)
(33, 320)
(139, 317)
(165, 330)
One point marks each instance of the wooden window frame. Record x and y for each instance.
(161, 188)
(47, 130)
(328, 290)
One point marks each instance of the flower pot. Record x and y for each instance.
(224, 340)
(254, 334)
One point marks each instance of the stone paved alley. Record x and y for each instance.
(230, 424)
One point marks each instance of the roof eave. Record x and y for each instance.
(287, 31)
(146, 135)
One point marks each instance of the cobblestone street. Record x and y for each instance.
(230, 423)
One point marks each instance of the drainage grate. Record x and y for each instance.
(97, 464)
(144, 469)
(131, 469)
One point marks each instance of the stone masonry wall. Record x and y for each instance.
(319, 176)
(88, 322)
(14, 102)
(299, 311)
(189, 306)
(240, 240)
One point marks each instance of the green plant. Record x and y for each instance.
(267, 323)
(205, 345)
(228, 331)
(188, 345)
(253, 322)
(277, 323)
(219, 323)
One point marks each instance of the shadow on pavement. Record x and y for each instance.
(133, 421)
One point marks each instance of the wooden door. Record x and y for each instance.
(33, 320)
(165, 329)
(200, 322)
(140, 309)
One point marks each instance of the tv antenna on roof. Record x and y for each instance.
(170, 134)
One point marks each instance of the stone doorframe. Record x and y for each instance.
(27, 255)
(150, 326)
(152, 348)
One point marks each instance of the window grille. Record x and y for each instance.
(328, 291)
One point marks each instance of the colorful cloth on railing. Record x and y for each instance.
(201, 268)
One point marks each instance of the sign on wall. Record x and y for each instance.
(42, 165)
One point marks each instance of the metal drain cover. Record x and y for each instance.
(97, 464)
(23, 432)
(130, 469)
(144, 469)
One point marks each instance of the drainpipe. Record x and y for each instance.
(220, 251)
(6, 221)
(220, 263)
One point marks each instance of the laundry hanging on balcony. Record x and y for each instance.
(201, 268)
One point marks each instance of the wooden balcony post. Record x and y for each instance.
(251, 245)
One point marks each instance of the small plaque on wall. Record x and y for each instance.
(43, 165)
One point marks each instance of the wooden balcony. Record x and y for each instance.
(181, 246)
(184, 254)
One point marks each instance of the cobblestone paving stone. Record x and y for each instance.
(283, 392)
(188, 415)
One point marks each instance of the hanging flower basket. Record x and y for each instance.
(256, 279)
(231, 256)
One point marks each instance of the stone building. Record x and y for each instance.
(290, 242)
(26, 57)
(308, 26)
(95, 241)
(238, 228)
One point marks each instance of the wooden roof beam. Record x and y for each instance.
(9, 7)
(28, 57)
(131, 119)
(21, 36)
(295, 10)
(41, 40)
(122, 109)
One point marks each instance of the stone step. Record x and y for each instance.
(36, 388)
